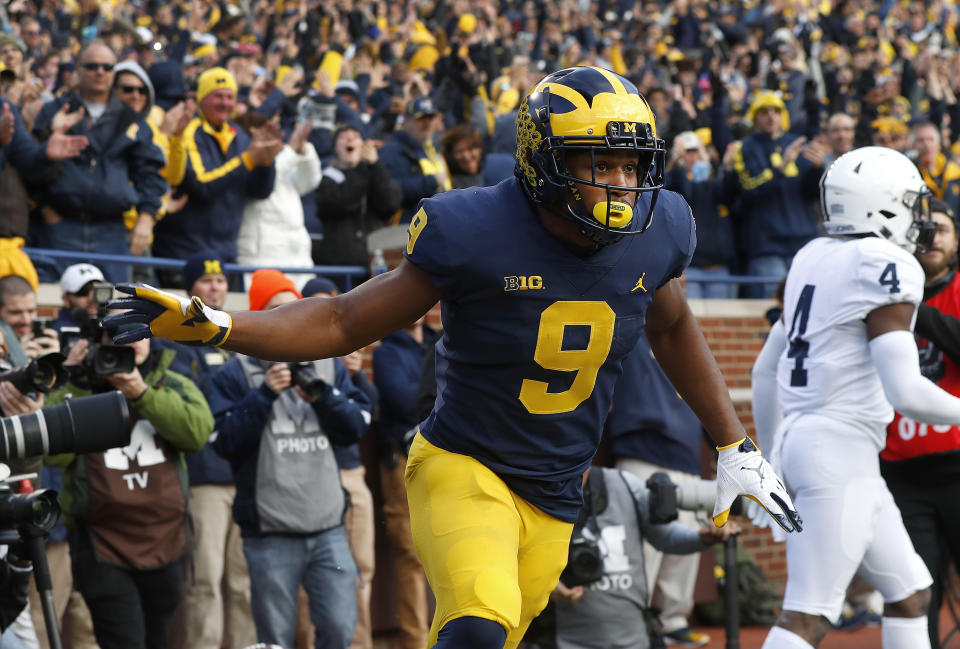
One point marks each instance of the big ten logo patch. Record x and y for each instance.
(523, 283)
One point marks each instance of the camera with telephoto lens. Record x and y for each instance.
(666, 497)
(305, 376)
(102, 358)
(43, 374)
(81, 425)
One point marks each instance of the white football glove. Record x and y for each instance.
(741, 470)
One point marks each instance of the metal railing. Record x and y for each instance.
(44, 256)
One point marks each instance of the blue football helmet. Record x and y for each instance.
(586, 108)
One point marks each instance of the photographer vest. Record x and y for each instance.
(610, 615)
(298, 488)
(137, 506)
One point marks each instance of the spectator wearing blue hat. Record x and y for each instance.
(412, 159)
(355, 197)
(217, 600)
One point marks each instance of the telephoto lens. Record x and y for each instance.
(82, 425)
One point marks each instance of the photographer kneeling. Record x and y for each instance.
(601, 599)
(126, 509)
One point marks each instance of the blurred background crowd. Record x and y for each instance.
(281, 134)
(360, 109)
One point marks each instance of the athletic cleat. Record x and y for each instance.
(856, 619)
(686, 637)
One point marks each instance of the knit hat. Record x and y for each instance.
(167, 80)
(10, 39)
(215, 79)
(350, 125)
(267, 282)
(320, 285)
(204, 263)
(769, 99)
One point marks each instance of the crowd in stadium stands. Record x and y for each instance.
(281, 133)
(754, 100)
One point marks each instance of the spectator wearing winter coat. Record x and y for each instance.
(776, 219)
(84, 206)
(272, 232)
(412, 159)
(290, 502)
(225, 166)
(356, 196)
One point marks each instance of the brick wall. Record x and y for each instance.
(735, 331)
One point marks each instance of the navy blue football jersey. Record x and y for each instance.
(533, 333)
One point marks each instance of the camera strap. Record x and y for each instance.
(595, 502)
(651, 615)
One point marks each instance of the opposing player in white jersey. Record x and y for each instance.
(841, 355)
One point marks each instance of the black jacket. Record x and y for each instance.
(119, 169)
(351, 204)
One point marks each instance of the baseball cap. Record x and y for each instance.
(420, 107)
(688, 140)
(267, 282)
(77, 276)
(347, 87)
(320, 285)
(204, 263)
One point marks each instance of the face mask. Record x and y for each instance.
(700, 171)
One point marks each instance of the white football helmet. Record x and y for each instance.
(876, 190)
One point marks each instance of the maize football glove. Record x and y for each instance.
(163, 315)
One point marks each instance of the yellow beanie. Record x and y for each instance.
(215, 79)
(467, 23)
(768, 98)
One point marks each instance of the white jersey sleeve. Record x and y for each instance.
(832, 286)
(885, 274)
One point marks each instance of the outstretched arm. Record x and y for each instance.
(682, 352)
(307, 329)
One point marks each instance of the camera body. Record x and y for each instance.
(42, 374)
(306, 377)
(39, 325)
(36, 512)
(321, 115)
(584, 559)
(666, 497)
(102, 358)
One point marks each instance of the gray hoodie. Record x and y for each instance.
(131, 66)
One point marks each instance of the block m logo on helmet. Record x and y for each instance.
(586, 109)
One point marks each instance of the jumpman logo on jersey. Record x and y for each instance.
(639, 284)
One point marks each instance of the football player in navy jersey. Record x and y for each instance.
(545, 281)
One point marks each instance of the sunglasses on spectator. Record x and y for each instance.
(106, 67)
(32, 32)
(140, 90)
